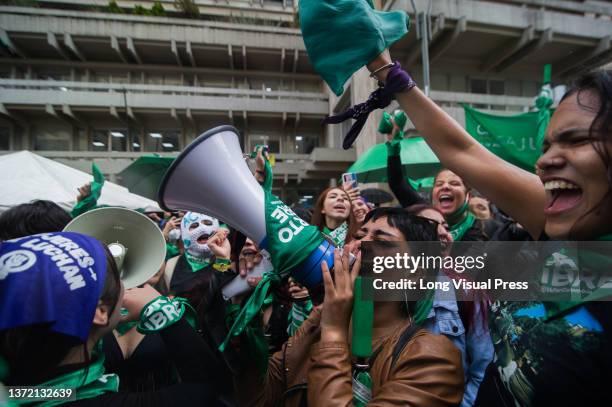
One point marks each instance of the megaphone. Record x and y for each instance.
(134, 240)
(210, 176)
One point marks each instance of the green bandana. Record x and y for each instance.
(196, 263)
(299, 313)
(289, 240)
(162, 312)
(89, 382)
(582, 259)
(338, 235)
(460, 221)
(91, 201)
(362, 388)
(172, 251)
(329, 29)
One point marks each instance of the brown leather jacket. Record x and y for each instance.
(427, 373)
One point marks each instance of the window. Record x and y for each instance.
(162, 140)
(99, 140)
(273, 142)
(52, 138)
(478, 85)
(487, 86)
(305, 143)
(5, 138)
(118, 139)
(497, 87)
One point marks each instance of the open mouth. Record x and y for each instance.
(203, 238)
(562, 196)
(446, 201)
(340, 208)
(249, 252)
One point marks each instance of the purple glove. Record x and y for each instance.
(398, 80)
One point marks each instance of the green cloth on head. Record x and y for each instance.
(91, 201)
(341, 36)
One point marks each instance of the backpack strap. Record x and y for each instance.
(403, 341)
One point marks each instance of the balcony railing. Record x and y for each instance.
(67, 86)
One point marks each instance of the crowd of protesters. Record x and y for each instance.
(106, 343)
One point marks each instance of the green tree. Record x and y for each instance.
(188, 8)
(113, 7)
(158, 10)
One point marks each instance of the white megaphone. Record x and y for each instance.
(210, 176)
(134, 240)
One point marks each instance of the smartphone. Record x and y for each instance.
(350, 178)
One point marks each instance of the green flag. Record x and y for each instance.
(513, 138)
(543, 102)
(91, 201)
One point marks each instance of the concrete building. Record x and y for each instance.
(84, 80)
(79, 83)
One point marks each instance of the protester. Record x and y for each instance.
(460, 315)
(539, 358)
(315, 365)
(52, 339)
(360, 207)
(31, 218)
(333, 216)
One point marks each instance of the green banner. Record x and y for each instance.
(513, 138)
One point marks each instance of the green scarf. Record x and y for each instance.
(460, 221)
(91, 201)
(172, 250)
(338, 235)
(89, 382)
(592, 261)
(196, 263)
(256, 342)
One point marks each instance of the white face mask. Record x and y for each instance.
(194, 226)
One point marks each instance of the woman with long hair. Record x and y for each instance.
(333, 216)
(547, 352)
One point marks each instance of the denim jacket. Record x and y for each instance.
(476, 346)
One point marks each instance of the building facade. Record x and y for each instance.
(84, 80)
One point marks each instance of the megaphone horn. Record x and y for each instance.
(210, 176)
(134, 240)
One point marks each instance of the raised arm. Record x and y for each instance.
(516, 191)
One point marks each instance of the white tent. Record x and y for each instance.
(25, 176)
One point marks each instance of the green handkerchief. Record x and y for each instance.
(341, 36)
